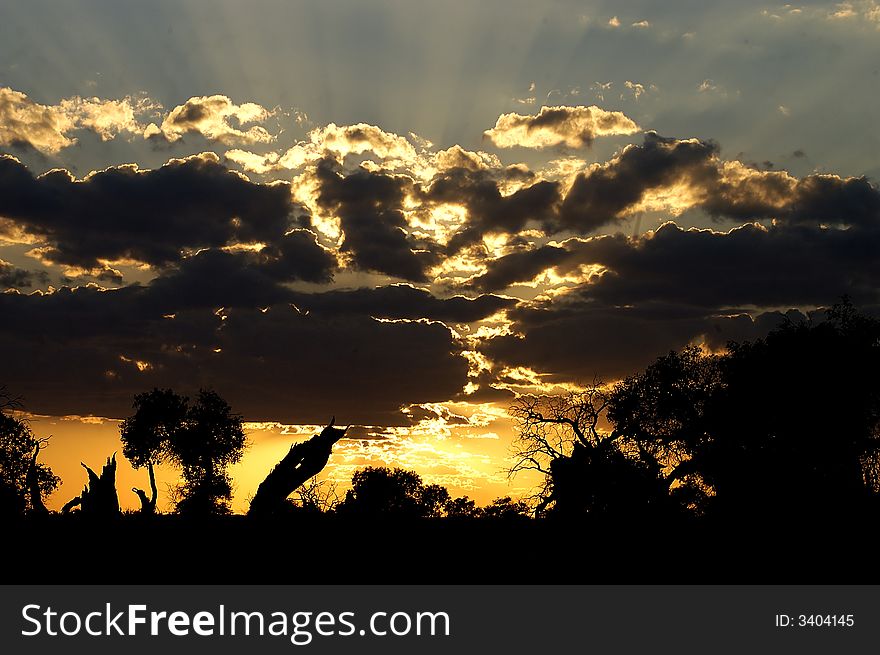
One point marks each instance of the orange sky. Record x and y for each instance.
(467, 460)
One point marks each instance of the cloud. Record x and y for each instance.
(95, 349)
(747, 266)
(402, 301)
(866, 10)
(12, 277)
(336, 142)
(231, 262)
(673, 175)
(148, 216)
(360, 138)
(519, 266)
(216, 278)
(574, 127)
(575, 340)
(608, 192)
(253, 162)
(212, 117)
(458, 157)
(488, 210)
(248, 278)
(48, 128)
(370, 209)
(750, 265)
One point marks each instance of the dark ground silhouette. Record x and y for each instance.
(319, 549)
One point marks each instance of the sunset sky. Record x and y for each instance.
(405, 213)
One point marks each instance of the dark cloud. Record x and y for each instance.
(661, 173)
(285, 363)
(370, 209)
(693, 171)
(488, 210)
(520, 266)
(401, 301)
(280, 353)
(277, 354)
(576, 340)
(149, 216)
(605, 193)
(217, 278)
(297, 256)
(747, 266)
(95, 349)
(832, 200)
(210, 280)
(12, 277)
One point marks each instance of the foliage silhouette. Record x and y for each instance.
(398, 494)
(463, 508)
(202, 439)
(24, 483)
(506, 508)
(383, 492)
(783, 427)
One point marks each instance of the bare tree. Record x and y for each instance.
(318, 495)
(550, 427)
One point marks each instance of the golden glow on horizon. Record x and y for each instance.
(463, 446)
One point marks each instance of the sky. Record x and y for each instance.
(406, 214)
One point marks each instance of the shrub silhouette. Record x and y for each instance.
(506, 508)
(379, 492)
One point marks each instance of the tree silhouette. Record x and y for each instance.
(463, 508)
(664, 414)
(397, 493)
(790, 421)
(202, 439)
(788, 426)
(506, 509)
(24, 482)
(588, 467)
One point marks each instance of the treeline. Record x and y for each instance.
(202, 438)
